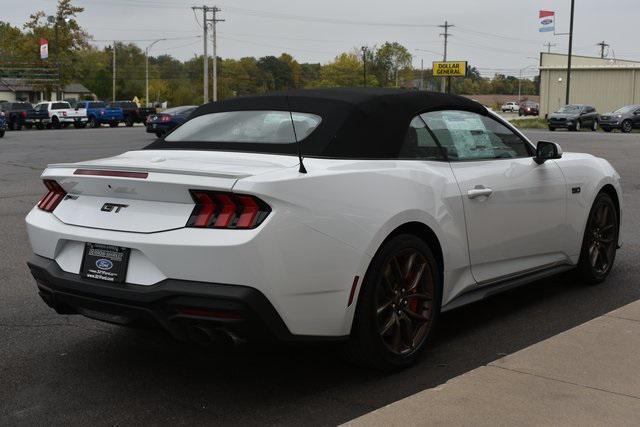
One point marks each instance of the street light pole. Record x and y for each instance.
(364, 65)
(573, 3)
(146, 59)
(520, 81)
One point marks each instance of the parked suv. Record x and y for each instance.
(574, 118)
(510, 106)
(529, 109)
(625, 118)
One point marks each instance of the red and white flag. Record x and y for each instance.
(44, 48)
(547, 21)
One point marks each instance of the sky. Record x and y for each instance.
(497, 36)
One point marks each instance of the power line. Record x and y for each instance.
(549, 45)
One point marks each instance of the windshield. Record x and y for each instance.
(262, 127)
(179, 110)
(570, 109)
(627, 109)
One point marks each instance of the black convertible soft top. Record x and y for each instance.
(356, 122)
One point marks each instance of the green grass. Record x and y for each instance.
(534, 123)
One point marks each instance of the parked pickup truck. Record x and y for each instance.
(98, 113)
(15, 113)
(133, 113)
(62, 115)
(38, 117)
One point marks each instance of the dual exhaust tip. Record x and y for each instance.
(215, 337)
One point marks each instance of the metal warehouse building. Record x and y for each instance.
(607, 84)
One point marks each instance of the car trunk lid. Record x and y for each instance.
(148, 191)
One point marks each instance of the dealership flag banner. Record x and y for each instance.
(547, 21)
(44, 48)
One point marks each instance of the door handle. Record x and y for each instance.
(479, 191)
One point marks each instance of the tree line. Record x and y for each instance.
(72, 58)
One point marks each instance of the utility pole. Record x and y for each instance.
(446, 36)
(214, 21)
(602, 45)
(205, 57)
(422, 74)
(573, 4)
(364, 67)
(113, 89)
(146, 77)
(549, 45)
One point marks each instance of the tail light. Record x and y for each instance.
(227, 210)
(64, 114)
(23, 114)
(53, 197)
(165, 119)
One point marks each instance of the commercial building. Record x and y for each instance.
(607, 84)
(17, 89)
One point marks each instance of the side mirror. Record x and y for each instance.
(546, 150)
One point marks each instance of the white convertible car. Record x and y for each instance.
(348, 214)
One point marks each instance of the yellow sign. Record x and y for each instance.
(450, 69)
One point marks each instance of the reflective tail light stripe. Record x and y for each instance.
(249, 214)
(226, 210)
(54, 196)
(206, 209)
(119, 174)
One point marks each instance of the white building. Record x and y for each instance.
(607, 84)
(12, 89)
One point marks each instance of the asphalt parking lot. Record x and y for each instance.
(56, 369)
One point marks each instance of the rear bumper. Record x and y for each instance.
(72, 119)
(37, 120)
(109, 119)
(159, 127)
(173, 305)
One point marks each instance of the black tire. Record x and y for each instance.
(14, 124)
(600, 241)
(128, 122)
(594, 126)
(113, 124)
(28, 125)
(159, 134)
(92, 122)
(2, 133)
(386, 294)
(39, 126)
(552, 129)
(576, 127)
(55, 123)
(626, 126)
(606, 129)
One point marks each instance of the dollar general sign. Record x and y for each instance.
(450, 69)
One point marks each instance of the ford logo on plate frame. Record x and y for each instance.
(104, 264)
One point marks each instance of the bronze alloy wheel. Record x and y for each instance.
(602, 230)
(404, 300)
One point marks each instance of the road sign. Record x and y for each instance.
(450, 69)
